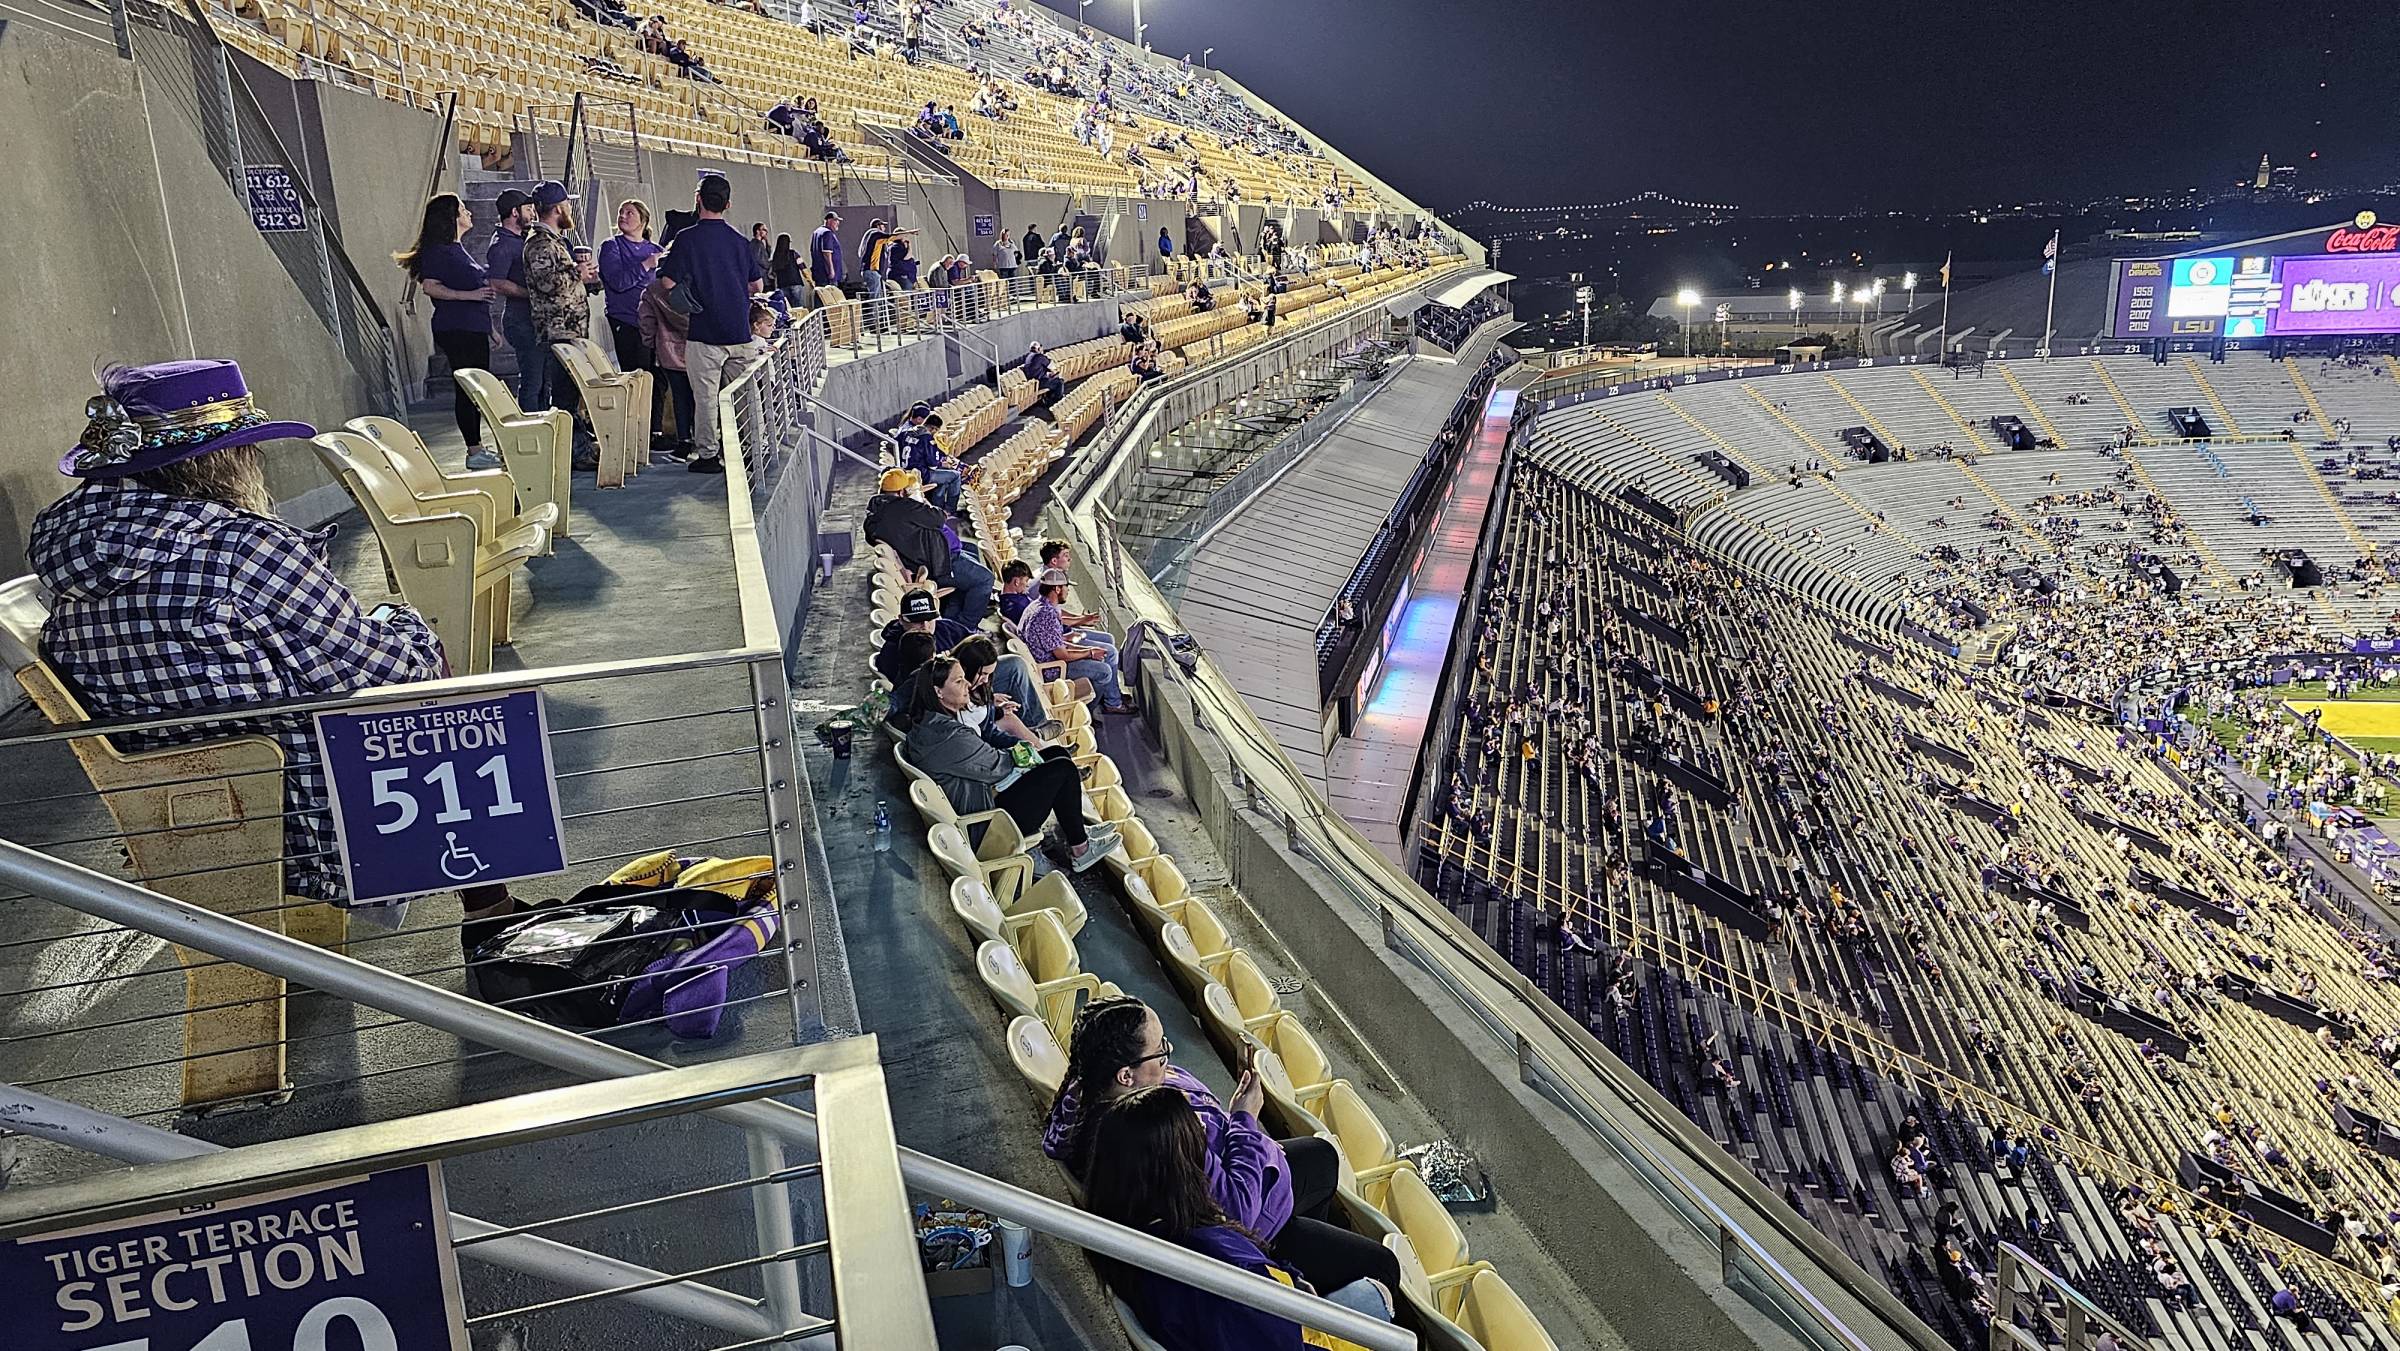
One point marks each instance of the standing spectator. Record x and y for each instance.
(912, 29)
(628, 263)
(722, 273)
(665, 331)
(462, 316)
(825, 253)
(760, 246)
(1030, 247)
(1004, 257)
(784, 269)
(1166, 250)
(504, 266)
(558, 278)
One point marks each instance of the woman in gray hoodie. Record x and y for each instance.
(977, 773)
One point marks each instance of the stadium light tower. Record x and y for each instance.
(1795, 299)
(1879, 297)
(1687, 297)
(1583, 297)
(1837, 293)
(1908, 283)
(1205, 53)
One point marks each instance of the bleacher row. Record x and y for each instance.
(1870, 526)
(505, 58)
(1748, 756)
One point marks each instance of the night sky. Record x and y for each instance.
(1834, 106)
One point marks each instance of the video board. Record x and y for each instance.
(2352, 288)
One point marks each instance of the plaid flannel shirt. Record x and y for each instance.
(168, 604)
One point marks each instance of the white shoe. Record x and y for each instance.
(483, 457)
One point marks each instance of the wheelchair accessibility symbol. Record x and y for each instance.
(458, 862)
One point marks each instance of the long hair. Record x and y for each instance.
(439, 229)
(1149, 1171)
(235, 477)
(977, 655)
(1107, 1038)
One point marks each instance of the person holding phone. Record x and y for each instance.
(461, 292)
(1278, 1190)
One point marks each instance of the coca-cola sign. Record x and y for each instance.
(2363, 235)
(2376, 239)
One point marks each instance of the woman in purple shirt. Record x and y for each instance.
(1152, 1170)
(462, 317)
(628, 260)
(1278, 1190)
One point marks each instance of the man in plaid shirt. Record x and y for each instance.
(176, 591)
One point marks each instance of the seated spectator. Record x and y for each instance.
(920, 452)
(784, 117)
(1144, 364)
(977, 775)
(1203, 300)
(655, 41)
(920, 616)
(1044, 631)
(1038, 371)
(1002, 683)
(1082, 625)
(175, 589)
(610, 12)
(1151, 1170)
(1016, 588)
(928, 546)
(950, 126)
(1281, 1190)
(929, 122)
(1135, 329)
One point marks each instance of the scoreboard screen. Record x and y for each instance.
(2258, 296)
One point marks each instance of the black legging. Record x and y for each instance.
(1052, 788)
(634, 355)
(1327, 1254)
(465, 350)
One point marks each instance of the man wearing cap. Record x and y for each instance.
(928, 546)
(919, 451)
(713, 262)
(504, 261)
(558, 276)
(1043, 627)
(175, 587)
(825, 254)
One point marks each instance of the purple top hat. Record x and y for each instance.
(148, 417)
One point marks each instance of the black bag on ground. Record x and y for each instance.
(571, 964)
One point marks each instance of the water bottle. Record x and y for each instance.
(883, 828)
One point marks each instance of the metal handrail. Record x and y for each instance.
(264, 950)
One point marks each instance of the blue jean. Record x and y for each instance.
(1016, 678)
(1100, 638)
(533, 360)
(970, 583)
(942, 488)
(1102, 674)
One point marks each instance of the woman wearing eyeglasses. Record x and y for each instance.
(1277, 1190)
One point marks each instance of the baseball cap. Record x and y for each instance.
(919, 408)
(899, 480)
(1053, 577)
(509, 200)
(918, 606)
(549, 192)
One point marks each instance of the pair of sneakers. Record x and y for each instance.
(1098, 843)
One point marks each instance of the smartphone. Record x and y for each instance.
(1249, 1056)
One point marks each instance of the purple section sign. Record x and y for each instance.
(2337, 295)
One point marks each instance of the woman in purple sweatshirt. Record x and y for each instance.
(1281, 1191)
(1152, 1170)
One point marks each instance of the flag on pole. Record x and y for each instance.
(1946, 271)
(2050, 254)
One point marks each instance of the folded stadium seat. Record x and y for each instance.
(1253, 996)
(1099, 772)
(433, 486)
(1107, 804)
(1055, 1002)
(1010, 880)
(1157, 888)
(203, 823)
(994, 832)
(1034, 1051)
(442, 556)
(1137, 846)
(621, 427)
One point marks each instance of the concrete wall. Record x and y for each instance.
(137, 254)
(377, 159)
(1046, 210)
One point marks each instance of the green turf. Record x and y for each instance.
(2381, 745)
